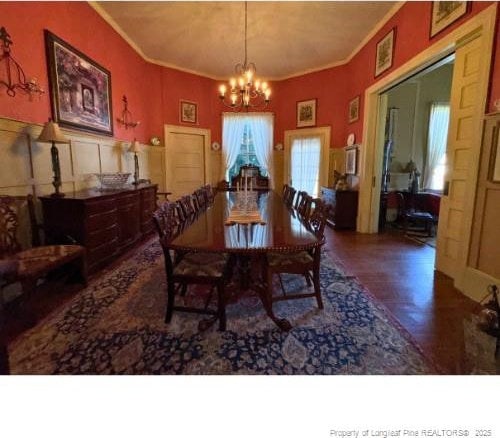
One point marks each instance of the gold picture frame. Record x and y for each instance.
(385, 52)
(306, 113)
(444, 13)
(354, 110)
(188, 112)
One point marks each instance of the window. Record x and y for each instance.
(246, 154)
(305, 159)
(247, 139)
(436, 147)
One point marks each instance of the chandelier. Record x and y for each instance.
(245, 90)
(16, 79)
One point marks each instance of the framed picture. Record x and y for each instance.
(354, 109)
(306, 113)
(80, 89)
(385, 53)
(351, 160)
(444, 13)
(189, 112)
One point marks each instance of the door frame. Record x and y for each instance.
(170, 130)
(370, 173)
(482, 25)
(324, 133)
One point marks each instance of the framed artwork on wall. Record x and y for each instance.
(306, 113)
(385, 52)
(445, 13)
(354, 109)
(351, 160)
(495, 174)
(80, 89)
(189, 112)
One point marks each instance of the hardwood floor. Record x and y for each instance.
(400, 274)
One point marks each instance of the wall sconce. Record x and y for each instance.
(52, 134)
(16, 79)
(126, 118)
(134, 148)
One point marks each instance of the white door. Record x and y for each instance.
(186, 157)
(462, 155)
(306, 159)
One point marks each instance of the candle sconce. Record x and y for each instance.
(16, 78)
(126, 119)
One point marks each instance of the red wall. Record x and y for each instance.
(335, 87)
(154, 92)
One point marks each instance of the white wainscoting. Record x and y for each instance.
(26, 167)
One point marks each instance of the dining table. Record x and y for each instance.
(263, 224)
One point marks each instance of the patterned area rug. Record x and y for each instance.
(115, 326)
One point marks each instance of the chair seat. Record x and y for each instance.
(37, 261)
(285, 258)
(201, 265)
(419, 215)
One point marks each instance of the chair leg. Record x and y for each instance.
(221, 307)
(317, 288)
(170, 301)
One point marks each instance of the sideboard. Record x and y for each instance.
(342, 207)
(107, 223)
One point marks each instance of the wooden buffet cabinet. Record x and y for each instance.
(342, 207)
(106, 222)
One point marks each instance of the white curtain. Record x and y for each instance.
(305, 157)
(233, 127)
(261, 126)
(436, 148)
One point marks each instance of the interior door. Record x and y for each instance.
(186, 159)
(462, 155)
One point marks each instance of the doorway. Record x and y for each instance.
(415, 137)
(472, 43)
(306, 159)
(187, 164)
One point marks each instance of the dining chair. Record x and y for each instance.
(35, 263)
(305, 263)
(288, 199)
(209, 194)
(186, 269)
(304, 208)
(187, 207)
(420, 220)
(200, 199)
(298, 199)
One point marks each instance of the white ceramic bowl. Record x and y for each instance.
(112, 180)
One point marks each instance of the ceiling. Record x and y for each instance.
(284, 38)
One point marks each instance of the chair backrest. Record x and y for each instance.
(289, 196)
(317, 220)
(298, 199)
(208, 192)
(187, 206)
(284, 191)
(8, 227)
(304, 209)
(200, 198)
(165, 221)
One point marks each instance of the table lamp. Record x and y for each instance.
(52, 134)
(134, 147)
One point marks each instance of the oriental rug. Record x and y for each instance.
(115, 326)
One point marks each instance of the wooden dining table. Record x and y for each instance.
(279, 229)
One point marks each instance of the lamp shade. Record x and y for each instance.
(52, 133)
(134, 147)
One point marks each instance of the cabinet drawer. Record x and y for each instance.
(100, 206)
(96, 237)
(100, 253)
(101, 220)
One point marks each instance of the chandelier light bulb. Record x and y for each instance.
(246, 91)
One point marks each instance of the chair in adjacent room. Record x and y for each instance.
(187, 269)
(419, 220)
(305, 263)
(37, 262)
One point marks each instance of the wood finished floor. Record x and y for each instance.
(398, 272)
